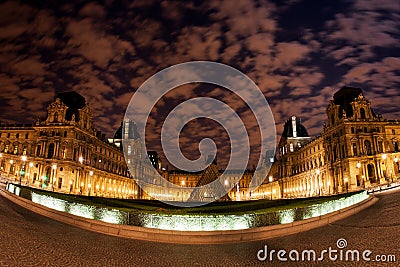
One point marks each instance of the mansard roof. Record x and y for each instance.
(300, 129)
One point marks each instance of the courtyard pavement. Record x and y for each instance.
(28, 239)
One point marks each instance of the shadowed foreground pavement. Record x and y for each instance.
(28, 239)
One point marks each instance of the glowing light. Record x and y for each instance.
(384, 156)
(80, 159)
(54, 166)
(198, 223)
(24, 158)
(271, 179)
(11, 161)
(31, 164)
(358, 165)
(193, 222)
(91, 173)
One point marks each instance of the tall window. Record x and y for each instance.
(38, 148)
(380, 146)
(355, 152)
(50, 152)
(396, 146)
(362, 113)
(55, 117)
(367, 145)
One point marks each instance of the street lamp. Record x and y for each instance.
(318, 172)
(91, 180)
(270, 179)
(54, 176)
(22, 172)
(358, 165)
(384, 157)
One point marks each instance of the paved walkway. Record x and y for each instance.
(28, 239)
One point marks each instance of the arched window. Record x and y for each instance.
(50, 152)
(362, 113)
(367, 145)
(38, 149)
(355, 149)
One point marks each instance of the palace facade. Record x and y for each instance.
(64, 152)
(356, 149)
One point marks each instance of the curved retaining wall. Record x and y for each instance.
(189, 237)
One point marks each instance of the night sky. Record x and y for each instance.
(299, 54)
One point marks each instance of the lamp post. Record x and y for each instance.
(53, 176)
(271, 179)
(358, 165)
(30, 170)
(384, 157)
(318, 172)
(22, 172)
(346, 182)
(90, 182)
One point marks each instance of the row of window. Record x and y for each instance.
(17, 135)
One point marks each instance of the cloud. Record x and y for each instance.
(93, 10)
(289, 53)
(30, 66)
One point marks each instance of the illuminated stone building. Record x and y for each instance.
(356, 149)
(64, 152)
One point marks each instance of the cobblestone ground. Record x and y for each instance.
(28, 239)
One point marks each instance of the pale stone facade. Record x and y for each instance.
(357, 149)
(65, 153)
